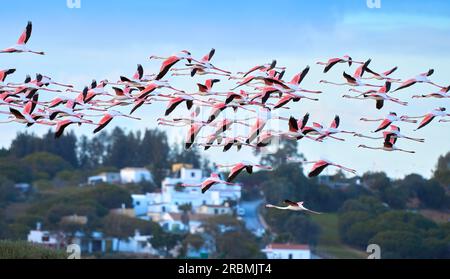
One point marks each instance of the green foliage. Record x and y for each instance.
(45, 165)
(442, 172)
(122, 226)
(25, 250)
(398, 244)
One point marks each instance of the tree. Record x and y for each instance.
(442, 172)
(398, 244)
(303, 229)
(287, 148)
(433, 195)
(45, 165)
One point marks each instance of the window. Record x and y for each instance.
(216, 211)
(192, 174)
(163, 209)
(138, 203)
(290, 256)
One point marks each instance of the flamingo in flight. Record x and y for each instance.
(443, 93)
(261, 120)
(421, 78)
(26, 115)
(389, 144)
(170, 61)
(4, 74)
(21, 46)
(394, 130)
(384, 75)
(294, 84)
(136, 79)
(204, 67)
(385, 122)
(263, 68)
(427, 118)
(379, 96)
(239, 167)
(333, 129)
(320, 165)
(298, 128)
(108, 117)
(209, 182)
(334, 61)
(354, 80)
(294, 206)
(63, 124)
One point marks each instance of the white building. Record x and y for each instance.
(216, 195)
(42, 237)
(172, 195)
(287, 251)
(139, 244)
(135, 175)
(105, 177)
(174, 222)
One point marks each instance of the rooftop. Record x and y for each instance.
(287, 246)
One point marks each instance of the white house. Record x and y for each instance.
(139, 244)
(217, 195)
(213, 209)
(105, 177)
(174, 222)
(42, 237)
(287, 251)
(135, 175)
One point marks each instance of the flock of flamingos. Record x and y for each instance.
(260, 91)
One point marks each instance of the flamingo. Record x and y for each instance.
(266, 80)
(260, 123)
(21, 46)
(294, 206)
(333, 61)
(421, 78)
(427, 118)
(294, 84)
(443, 93)
(137, 77)
(333, 129)
(388, 145)
(204, 66)
(176, 100)
(354, 80)
(391, 117)
(263, 68)
(63, 124)
(205, 89)
(268, 137)
(298, 128)
(32, 86)
(293, 96)
(194, 129)
(170, 61)
(209, 182)
(394, 130)
(108, 117)
(238, 167)
(3, 74)
(379, 96)
(320, 165)
(384, 75)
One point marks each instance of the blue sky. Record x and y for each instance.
(105, 39)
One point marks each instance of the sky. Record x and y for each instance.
(105, 39)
